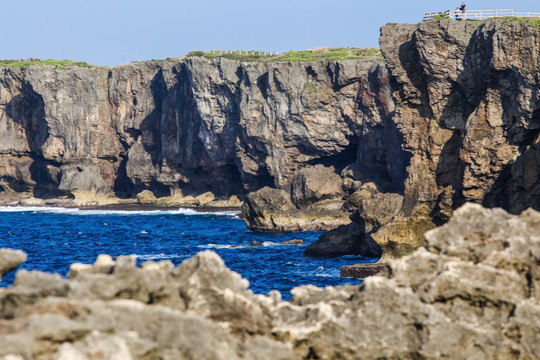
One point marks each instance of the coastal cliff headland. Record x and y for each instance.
(467, 108)
(397, 157)
(377, 151)
(184, 128)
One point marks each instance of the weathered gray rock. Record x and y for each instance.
(378, 210)
(313, 184)
(272, 210)
(362, 271)
(471, 292)
(194, 126)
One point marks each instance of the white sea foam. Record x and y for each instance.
(216, 246)
(160, 257)
(77, 211)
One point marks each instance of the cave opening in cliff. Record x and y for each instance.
(341, 159)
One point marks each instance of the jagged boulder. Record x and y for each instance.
(315, 183)
(10, 259)
(272, 210)
(204, 199)
(378, 210)
(345, 240)
(262, 206)
(146, 197)
(85, 179)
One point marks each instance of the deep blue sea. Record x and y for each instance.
(54, 238)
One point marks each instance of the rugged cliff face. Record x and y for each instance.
(468, 107)
(188, 127)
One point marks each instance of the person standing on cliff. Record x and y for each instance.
(457, 14)
(463, 8)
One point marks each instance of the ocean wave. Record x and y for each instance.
(160, 257)
(216, 246)
(220, 246)
(78, 211)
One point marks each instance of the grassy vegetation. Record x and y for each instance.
(441, 17)
(312, 88)
(322, 53)
(535, 21)
(59, 64)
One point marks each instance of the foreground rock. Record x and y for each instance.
(10, 259)
(473, 291)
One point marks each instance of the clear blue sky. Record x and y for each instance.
(111, 32)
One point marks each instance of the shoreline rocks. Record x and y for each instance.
(362, 271)
(313, 204)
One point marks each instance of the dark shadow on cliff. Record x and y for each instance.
(28, 110)
(381, 146)
(518, 187)
(466, 94)
(180, 119)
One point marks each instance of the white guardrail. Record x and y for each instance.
(477, 14)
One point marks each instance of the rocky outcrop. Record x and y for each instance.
(185, 128)
(473, 291)
(468, 107)
(313, 203)
(345, 240)
(271, 209)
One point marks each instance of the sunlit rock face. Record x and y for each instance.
(188, 127)
(468, 107)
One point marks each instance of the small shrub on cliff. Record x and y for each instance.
(312, 88)
(441, 17)
(198, 53)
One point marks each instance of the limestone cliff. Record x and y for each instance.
(468, 107)
(467, 110)
(187, 127)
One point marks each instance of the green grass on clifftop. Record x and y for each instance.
(322, 53)
(535, 21)
(59, 64)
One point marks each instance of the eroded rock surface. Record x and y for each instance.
(313, 203)
(467, 110)
(468, 107)
(184, 128)
(473, 291)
